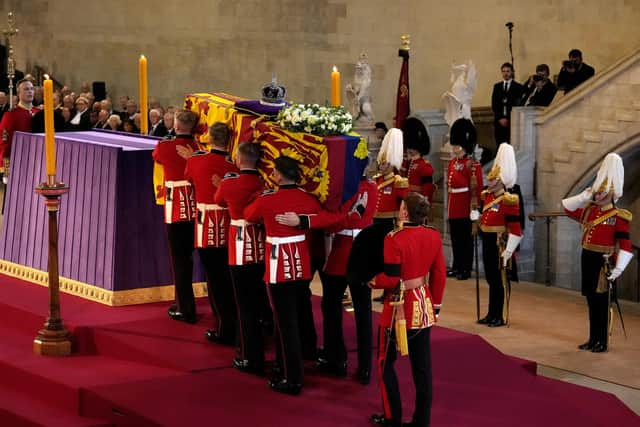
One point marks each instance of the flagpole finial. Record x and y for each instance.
(405, 41)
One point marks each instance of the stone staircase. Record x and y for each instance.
(560, 148)
(598, 117)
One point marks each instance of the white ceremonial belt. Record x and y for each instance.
(241, 222)
(181, 183)
(459, 190)
(283, 240)
(351, 232)
(204, 207)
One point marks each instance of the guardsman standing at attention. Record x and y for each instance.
(179, 211)
(205, 170)
(501, 233)
(414, 270)
(419, 170)
(246, 257)
(391, 187)
(288, 266)
(464, 184)
(604, 227)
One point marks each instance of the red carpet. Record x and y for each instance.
(136, 367)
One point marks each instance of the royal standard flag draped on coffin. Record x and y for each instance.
(330, 166)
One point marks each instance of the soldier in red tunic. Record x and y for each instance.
(246, 257)
(501, 233)
(604, 227)
(419, 170)
(18, 119)
(342, 227)
(288, 267)
(414, 269)
(212, 231)
(179, 213)
(391, 187)
(464, 184)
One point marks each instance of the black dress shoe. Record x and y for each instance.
(246, 366)
(177, 315)
(380, 420)
(284, 386)
(486, 320)
(586, 346)
(599, 347)
(363, 376)
(452, 273)
(463, 275)
(496, 323)
(213, 336)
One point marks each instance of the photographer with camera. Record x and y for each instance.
(539, 90)
(574, 72)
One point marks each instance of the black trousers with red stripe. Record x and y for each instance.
(250, 293)
(420, 357)
(220, 290)
(180, 236)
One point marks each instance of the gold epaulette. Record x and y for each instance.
(510, 199)
(484, 194)
(401, 182)
(625, 214)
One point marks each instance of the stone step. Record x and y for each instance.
(625, 115)
(592, 136)
(578, 147)
(562, 157)
(608, 126)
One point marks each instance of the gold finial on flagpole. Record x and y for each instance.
(405, 41)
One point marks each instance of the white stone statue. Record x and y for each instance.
(457, 100)
(359, 94)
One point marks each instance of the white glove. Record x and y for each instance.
(474, 215)
(360, 205)
(624, 258)
(579, 201)
(512, 244)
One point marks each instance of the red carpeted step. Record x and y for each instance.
(22, 410)
(61, 379)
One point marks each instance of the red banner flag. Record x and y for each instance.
(402, 98)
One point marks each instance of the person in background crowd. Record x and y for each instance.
(574, 72)
(505, 96)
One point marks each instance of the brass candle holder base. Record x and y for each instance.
(53, 339)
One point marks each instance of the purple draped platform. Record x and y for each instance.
(111, 232)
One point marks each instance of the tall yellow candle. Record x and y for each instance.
(335, 87)
(49, 133)
(144, 95)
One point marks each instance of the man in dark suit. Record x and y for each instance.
(574, 72)
(539, 90)
(506, 94)
(157, 126)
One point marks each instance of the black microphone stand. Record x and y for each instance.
(509, 25)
